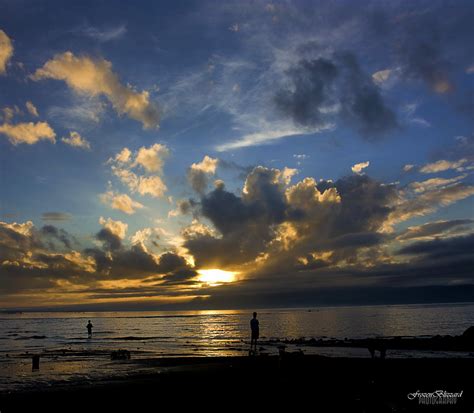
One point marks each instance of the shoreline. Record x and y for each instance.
(352, 384)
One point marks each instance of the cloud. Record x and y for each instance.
(273, 223)
(6, 51)
(151, 185)
(358, 167)
(31, 108)
(29, 133)
(145, 235)
(56, 216)
(311, 89)
(429, 201)
(269, 135)
(124, 156)
(436, 229)
(243, 221)
(443, 165)
(409, 110)
(234, 27)
(433, 183)
(199, 173)
(135, 262)
(438, 249)
(183, 207)
(59, 234)
(122, 202)
(10, 112)
(426, 53)
(423, 60)
(77, 141)
(41, 263)
(94, 77)
(85, 112)
(117, 228)
(104, 35)
(151, 159)
(32, 258)
(421, 122)
(381, 76)
(408, 167)
(314, 85)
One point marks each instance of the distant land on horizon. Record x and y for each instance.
(463, 294)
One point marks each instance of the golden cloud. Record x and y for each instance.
(29, 133)
(76, 140)
(31, 109)
(6, 51)
(151, 160)
(122, 202)
(94, 77)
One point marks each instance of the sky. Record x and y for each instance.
(226, 154)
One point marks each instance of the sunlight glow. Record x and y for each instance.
(216, 277)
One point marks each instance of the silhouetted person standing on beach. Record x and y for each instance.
(254, 327)
(89, 329)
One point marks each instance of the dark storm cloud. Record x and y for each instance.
(311, 88)
(199, 180)
(363, 106)
(59, 234)
(111, 241)
(366, 203)
(31, 259)
(318, 86)
(343, 215)
(181, 277)
(171, 262)
(354, 240)
(442, 248)
(229, 212)
(245, 221)
(134, 262)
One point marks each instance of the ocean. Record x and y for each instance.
(68, 354)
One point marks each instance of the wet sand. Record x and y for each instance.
(309, 383)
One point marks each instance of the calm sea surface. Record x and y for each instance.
(67, 352)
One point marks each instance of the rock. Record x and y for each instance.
(469, 333)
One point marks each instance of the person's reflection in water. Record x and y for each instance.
(89, 329)
(255, 329)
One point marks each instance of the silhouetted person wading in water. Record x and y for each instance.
(89, 329)
(254, 327)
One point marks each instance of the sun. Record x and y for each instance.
(215, 277)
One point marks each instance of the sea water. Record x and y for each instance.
(68, 353)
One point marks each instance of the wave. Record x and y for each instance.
(137, 338)
(31, 338)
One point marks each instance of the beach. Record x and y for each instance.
(312, 383)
